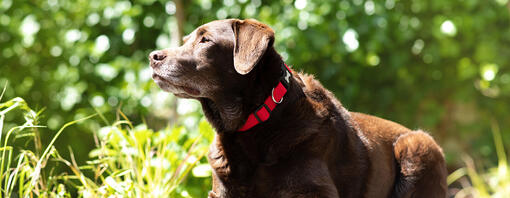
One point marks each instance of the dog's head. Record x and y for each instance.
(214, 59)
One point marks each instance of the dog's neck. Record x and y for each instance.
(227, 116)
(229, 112)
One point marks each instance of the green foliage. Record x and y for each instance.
(28, 169)
(129, 161)
(138, 162)
(493, 182)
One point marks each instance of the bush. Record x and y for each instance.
(493, 182)
(129, 161)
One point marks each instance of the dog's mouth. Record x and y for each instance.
(177, 89)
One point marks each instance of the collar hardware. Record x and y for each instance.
(272, 97)
(277, 93)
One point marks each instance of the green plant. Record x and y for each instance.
(26, 175)
(133, 161)
(129, 161)
(493, 182)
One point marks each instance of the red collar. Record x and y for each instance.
(264, 111)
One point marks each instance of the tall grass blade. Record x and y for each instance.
(35, 176)
(498, 141)
(478, 182)
(503, 174)
(12, 179)
(456, 175)
(101, 116)
(3, 91)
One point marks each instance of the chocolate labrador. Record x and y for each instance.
(280, 133)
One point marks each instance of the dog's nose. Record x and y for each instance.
(156, 57)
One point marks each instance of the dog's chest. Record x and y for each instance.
(237, 177)
(246, 182)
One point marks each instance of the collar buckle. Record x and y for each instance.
(270, 103)
(286, 75)
(272, 97)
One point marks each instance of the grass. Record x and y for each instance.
(139, 162)
(493, 182)
(129, 161)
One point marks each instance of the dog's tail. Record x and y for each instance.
(422, 167)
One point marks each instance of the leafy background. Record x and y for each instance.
(442, 66)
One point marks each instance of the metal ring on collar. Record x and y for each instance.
(272, 97)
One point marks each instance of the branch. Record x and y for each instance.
(180, 14)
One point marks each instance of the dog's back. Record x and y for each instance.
(400, 162)
(410, 161)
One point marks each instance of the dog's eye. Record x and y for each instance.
(204, 39)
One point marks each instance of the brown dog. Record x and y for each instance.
(280, 133)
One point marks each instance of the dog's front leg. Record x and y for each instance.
(322, 191)
(218, 190)
(309, 179)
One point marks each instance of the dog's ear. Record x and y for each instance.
(251, 40)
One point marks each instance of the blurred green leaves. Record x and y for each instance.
(67, 53)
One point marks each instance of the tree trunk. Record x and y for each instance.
(180, 15)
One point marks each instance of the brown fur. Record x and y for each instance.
(311, 146)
